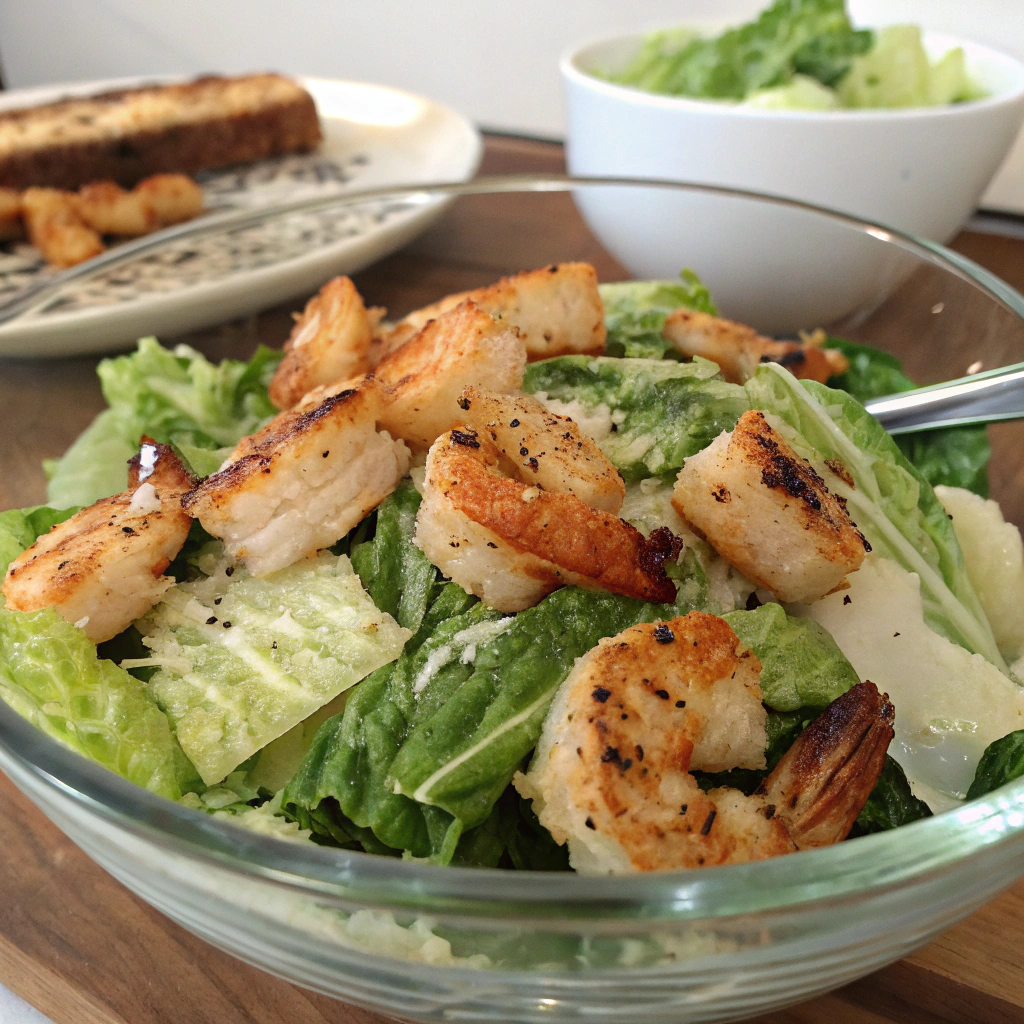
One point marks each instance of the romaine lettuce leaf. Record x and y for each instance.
(462, 756)
(51, 675)
(891, 803)
(1002, 762)
(812, 36)
(401, 580)
(801, 665)
(954, 457)
(242, 660)
(891, 502)
(635, 312)
(174, 396)
(21, 527)
(661, 411)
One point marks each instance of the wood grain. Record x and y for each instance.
(84, 950)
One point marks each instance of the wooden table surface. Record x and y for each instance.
(81, 948)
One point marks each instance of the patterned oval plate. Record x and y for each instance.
(373, 137)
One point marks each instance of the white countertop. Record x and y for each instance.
(16, 1011)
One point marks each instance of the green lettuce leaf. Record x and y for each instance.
(891, 803)
(51, 675)
(892, 503)
(635, 312)
(21, 527)
(813, 36)
(801, 665)
(954, 457)
(172, 395)
(1002, 762)
(241, 660)
(462, 756)
(396, 574)
(352, 756)
(661, 411)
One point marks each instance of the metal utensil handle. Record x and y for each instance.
(982, 398)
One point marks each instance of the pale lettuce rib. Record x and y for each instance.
(242, 660)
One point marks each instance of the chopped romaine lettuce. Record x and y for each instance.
(1002, 762)
(801, 665)
(174, 396)
(635, 312)
(891, 502)
(242, 660)
(397, 575)
(896, 72)
(807, 35)
(660, 411)
(891, 803)
(801, 93)
(955, 456)
(21, 527)
(51, 675)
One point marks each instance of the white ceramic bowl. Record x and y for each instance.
(921, 170)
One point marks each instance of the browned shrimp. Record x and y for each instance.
(611, 774)
(512, 524)
(304, 480)
(739, 349)
(111, 210)
(56, 228)
(102, 568)
(765, 510)
(329, 342)
(557, 311)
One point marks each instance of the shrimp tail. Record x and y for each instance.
(823, 781)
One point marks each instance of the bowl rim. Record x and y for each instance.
(859, 868)
(572, 71)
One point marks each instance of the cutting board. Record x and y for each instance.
(81, 948)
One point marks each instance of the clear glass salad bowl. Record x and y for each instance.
(432, 943)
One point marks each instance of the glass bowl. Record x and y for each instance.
(432, 943)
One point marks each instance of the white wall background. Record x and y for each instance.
(496, 60)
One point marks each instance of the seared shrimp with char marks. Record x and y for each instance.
(304, 480)
(611, 774)
(489, 524)
(330, 342)
(464, 347)
(102, 568)
(550, 450)
(557, 310)
(767, 512)
(739, 349)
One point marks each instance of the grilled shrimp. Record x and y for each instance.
(111, 210)
(611, 774)
(739, 349)
(304, 480)
(765, 510)
(102, 568)
(330, 342)
(521, 504)
(557, 310)
(424, 378)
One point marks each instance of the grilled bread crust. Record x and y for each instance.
(130, 134)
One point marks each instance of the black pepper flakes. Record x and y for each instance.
(847, 599)
(708, 822)
(229, 571)
(463, 403)
(601, 694)
(639, 752)
(663, 694)
(611, 756)
(680, 703)
(590, 823)
(524, 451)
(227, 625)
(663, 634)
(682, 810)
(323, 455)
(211, 620)
(514, 423)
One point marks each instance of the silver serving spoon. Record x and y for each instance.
(981, 398)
